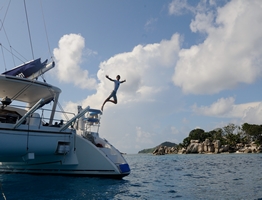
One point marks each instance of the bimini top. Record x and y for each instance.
(26, 90)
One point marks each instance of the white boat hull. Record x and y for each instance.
(39, 152)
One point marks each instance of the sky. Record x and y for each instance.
(187, 64)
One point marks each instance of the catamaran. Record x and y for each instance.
(33, 139)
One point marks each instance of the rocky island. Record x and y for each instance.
(207, 147)
(229, 139)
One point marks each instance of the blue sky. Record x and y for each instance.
(188, 64)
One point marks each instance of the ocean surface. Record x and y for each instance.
(221, 176)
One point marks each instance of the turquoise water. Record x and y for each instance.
(222, 176)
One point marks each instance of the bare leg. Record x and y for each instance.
(108, 100)
(104, 104)
(115, 102)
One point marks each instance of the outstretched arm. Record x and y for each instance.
(109, 78)
(123, 81)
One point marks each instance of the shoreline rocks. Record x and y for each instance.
(207, 147)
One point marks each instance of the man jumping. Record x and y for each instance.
(113, 94)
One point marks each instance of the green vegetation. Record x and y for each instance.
(230, 135)
(150, 150)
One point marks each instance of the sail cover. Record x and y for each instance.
(27, 69)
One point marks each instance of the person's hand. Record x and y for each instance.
(107, 76)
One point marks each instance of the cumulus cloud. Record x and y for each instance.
(253, 114)
(219, 108)
(147, 69)
(68, 57)
(230, 54)
(226, 107)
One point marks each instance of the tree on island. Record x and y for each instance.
(228, 135)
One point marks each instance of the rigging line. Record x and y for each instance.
(8, 42)
(21, 91)
(5, 15)
(25, 88)
(29, 31)
(59, 105)
(43, 77)
(3, 56)
(47, 39)
(14, 54)
(4, 31)
(61, 108)
(19, 55)
(49, 49)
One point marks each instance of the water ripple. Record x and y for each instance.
(228, 176)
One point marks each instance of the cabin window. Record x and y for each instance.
(7, 116)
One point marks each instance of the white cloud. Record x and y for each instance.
(226, 107)
(203, 22)
(253, 114)
(231, 53)
(147, 70)
(179, 7)
(68, 57)
(150, 24)
(220, 108)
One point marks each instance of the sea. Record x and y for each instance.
(186, 176)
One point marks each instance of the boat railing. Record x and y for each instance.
(58, 121)
(92, 120)
(88, 125)
(19, 114)
(28, 113)
(81, 113)
(87, 119)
